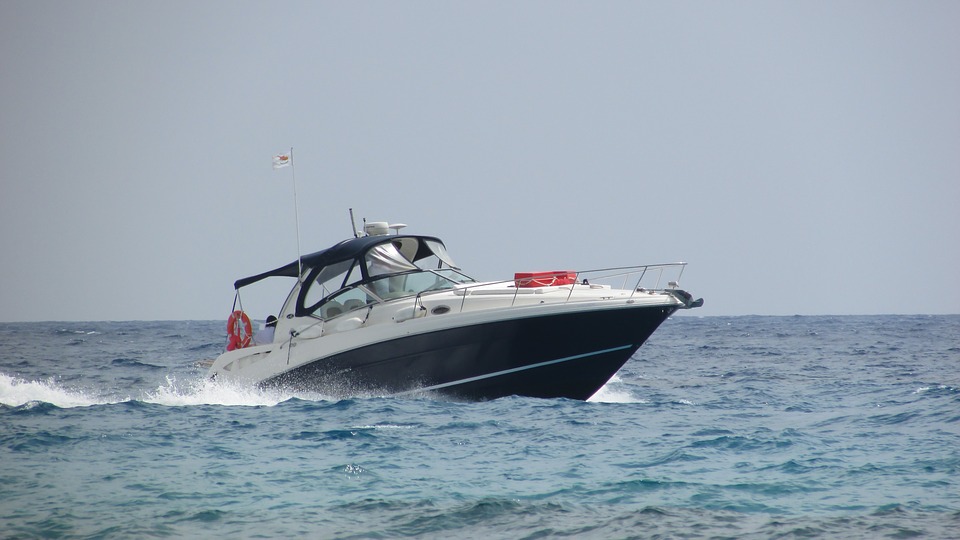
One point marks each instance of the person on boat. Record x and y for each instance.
(265, 335)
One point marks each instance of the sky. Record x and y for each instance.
(802, 157)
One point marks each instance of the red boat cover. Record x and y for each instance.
(545, 279)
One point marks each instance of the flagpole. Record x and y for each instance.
(296, 211)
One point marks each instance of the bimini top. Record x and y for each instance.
(412, 248)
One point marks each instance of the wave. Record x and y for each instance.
(172, 392)
(206, 392)
(501, 517)
(15, 392)
(133, 363)
(24, 394)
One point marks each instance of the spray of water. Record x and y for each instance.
(614, 392)
(203, 391)
(16, 392)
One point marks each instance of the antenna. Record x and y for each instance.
(353, 225)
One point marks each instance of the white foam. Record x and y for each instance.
(15, 392)
(612, 392)
(207, 392)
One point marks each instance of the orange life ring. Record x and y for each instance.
(239, 330)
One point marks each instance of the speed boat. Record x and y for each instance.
(386, 313)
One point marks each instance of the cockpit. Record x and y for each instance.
(365, 271)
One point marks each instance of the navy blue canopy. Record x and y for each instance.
(352, 248)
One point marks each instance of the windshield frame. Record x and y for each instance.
(385, 270)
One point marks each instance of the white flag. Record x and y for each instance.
(281, 160)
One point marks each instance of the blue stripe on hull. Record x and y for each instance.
(516, 370)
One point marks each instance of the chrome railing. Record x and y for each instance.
(636, 279)
(642, 278)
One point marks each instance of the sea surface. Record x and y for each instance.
(720, 427)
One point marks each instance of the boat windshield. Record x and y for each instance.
(413, 283)
(396, 268)
(362, 295)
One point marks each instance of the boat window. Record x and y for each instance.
(427, 281)
(348, 300)
(455, 276)
(440, 251)
(411, 283)
(386, 259)
(392, 286)
(408, 247)
(330, 280)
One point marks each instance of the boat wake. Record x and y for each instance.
(16, 392)
(203, 391)
(20, 393)
(173, 392)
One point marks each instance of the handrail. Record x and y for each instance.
(583, 277)
(624, 271)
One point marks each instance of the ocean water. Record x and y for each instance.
(720, 427)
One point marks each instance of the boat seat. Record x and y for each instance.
(353, 304)
(331, 309)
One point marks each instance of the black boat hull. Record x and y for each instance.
(569, 355)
